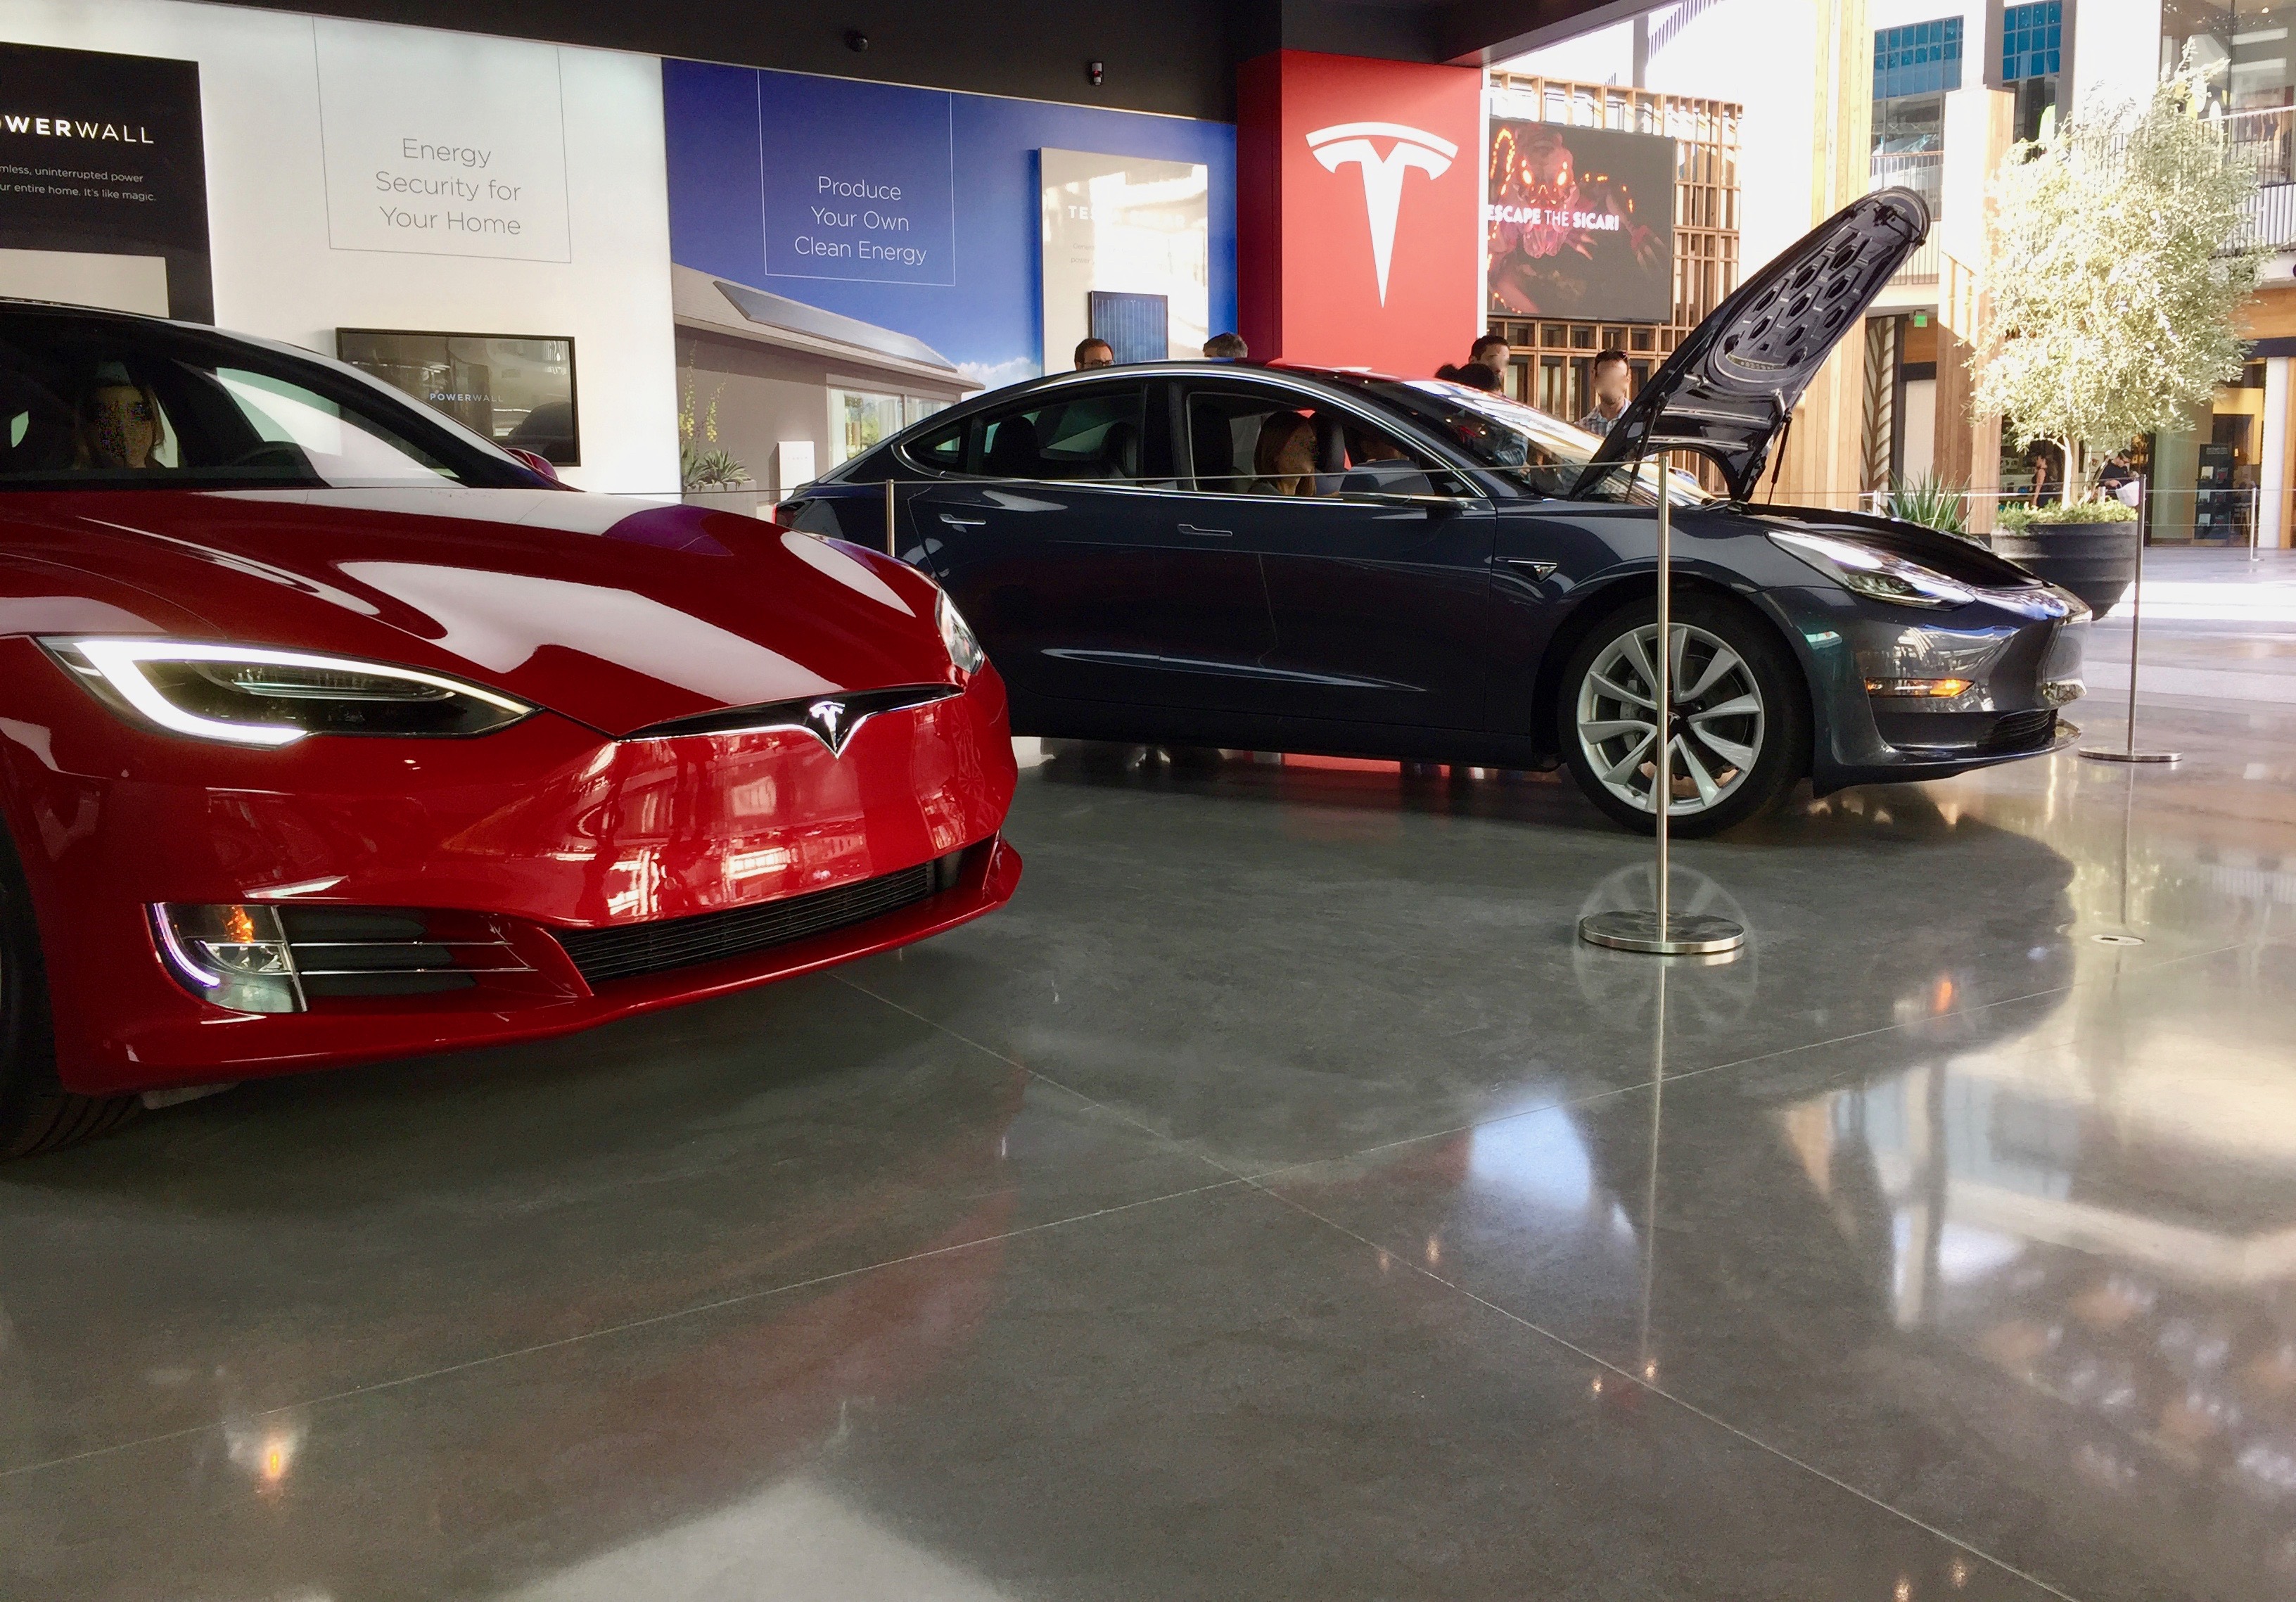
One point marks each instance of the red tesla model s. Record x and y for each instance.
(328, 731)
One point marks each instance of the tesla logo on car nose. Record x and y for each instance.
(826, 720)
(1382, 175)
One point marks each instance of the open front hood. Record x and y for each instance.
(1729, 389)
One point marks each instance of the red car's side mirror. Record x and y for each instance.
(540, 463)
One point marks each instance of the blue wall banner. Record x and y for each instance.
(785, 181)
(860, 182)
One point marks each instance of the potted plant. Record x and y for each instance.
(708, 473)
(1932, 501)
(2116, 287)
(2087, 547)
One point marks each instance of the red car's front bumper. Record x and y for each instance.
(543, 827)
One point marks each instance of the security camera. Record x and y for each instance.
(856, 40)
(1095, 71)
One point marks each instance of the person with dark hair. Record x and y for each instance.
(1479, 375)
(119, 421)
(1285, 456)
(1225, 348)
(1492, 351)
(1095, 353)
(1613, 382)
(2048, 466)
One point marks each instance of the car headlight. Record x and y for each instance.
(250, 695)
(963, 649)
(1874, 574)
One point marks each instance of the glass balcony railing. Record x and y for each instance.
(2266, 140)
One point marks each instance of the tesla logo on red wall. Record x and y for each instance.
(1351, 143)
(1359, 229)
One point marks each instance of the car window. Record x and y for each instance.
(119, 403)
(943, 448)
(1095, 434)
(1268, 442)
(1543, 453)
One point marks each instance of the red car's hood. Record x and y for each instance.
(620, 613)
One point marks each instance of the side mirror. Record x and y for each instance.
(538, 463)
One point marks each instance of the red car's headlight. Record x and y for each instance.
(250, 695)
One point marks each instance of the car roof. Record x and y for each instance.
(1196, 364)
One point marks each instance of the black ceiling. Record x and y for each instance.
(1174, 56)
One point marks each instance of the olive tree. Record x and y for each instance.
(2116, 273)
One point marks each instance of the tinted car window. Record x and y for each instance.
(1269, 442)
(116, 403)
(1542, 453)
(1096, 434)
(944, 448)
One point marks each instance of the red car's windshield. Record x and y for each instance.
(97, 401)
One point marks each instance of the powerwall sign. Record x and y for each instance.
(104, 195)
(860, 181)
(442, 144)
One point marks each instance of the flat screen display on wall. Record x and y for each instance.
(103, 187)
(1580, 223)
(516, 390)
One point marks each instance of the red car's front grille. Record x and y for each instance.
(605, 955)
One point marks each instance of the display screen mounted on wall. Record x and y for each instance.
(1121, 229)
(515, 390)
(442, 143)
(103, 191)
(1579, 222)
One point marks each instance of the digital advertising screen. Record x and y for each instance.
(1579, 222)
(515, 390)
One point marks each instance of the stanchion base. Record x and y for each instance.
(1681, 937)
(2095, 753)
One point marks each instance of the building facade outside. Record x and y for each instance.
(1951, 86)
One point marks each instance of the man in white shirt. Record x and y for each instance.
(1613, 382)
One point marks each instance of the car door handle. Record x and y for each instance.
(1207, 533)
(954, 521)
(1530, 564)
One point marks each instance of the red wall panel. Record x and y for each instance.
(1341, 160)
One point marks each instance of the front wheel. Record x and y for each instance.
(1738, 729)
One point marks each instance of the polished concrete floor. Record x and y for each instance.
(1274, 1202)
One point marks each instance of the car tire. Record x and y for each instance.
(37, 1113)
(1740, 744)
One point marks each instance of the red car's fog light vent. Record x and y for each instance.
(343, 952)
(605, 955)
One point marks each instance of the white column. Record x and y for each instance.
(2271, 452)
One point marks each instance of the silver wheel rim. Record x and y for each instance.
(1717, 719)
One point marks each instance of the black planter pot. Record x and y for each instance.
(2094, 561)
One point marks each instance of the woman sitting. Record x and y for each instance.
(1285, 456)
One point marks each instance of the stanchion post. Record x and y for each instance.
(1660, 934)
(892, 539)
(2128, 751)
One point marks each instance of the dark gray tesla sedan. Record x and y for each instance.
(1279, 558)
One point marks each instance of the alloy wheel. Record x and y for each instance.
(1716, 724)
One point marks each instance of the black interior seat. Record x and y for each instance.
(1213, 437)
(1014, 453)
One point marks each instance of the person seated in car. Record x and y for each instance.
(1285, 456)
(118, 424)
